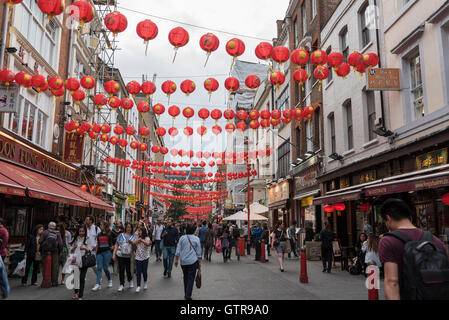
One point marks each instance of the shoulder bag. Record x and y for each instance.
(88, 260)
(198, 273)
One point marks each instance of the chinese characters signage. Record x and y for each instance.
(279, 192)
(8, 98)
(431, 159)
(306, 181)
(383, 79)
(368, 176)
(73, 148)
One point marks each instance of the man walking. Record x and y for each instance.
(157, 232)
(170, 238)
(234, 242)
(51, 244)
(292, 238)
(257, 234)
(245, 236)
(202, 235)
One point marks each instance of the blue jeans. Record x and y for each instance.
(142, 269)
(234, 243)
(103, 260)
(293, 246)
(169, 257)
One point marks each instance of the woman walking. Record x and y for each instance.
(79, 246)
(327, 237)
(265, 238)
(104, 254)
(225, 243)
(122, 253)
(278, 241)
(371, 250)
(66, 237)
(33, 255)
(189, 252)
(209, 239)
(142, 245)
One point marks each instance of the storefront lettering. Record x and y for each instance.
(28, 158)
(7, 149)
(432, 159)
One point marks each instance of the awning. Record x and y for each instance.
(92, 200)
(40, 186)
(338, 197)
(7, 186)
(306, 195)
(278, 205)
(430, 181)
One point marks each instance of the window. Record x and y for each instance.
(416, 86)
(365, 20)
(284, 159)
(332, 138)
(304, 19)
(344, 42)
(31, 25)
(309, 135)
(349, 127)
(370, 114)
(295, 32)
(283, 102)
(314, 8)
(331, 71)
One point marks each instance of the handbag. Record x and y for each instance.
(198, 279)
(288, 247)
(88, 260)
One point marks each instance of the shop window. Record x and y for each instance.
(332, 137)
(284, 160)
(16, 221)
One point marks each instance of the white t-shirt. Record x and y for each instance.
(92, 233)
(158, 231)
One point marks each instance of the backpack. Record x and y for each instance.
(50, 244)
(426, 269)
(235, 232)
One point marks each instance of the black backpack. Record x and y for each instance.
(426, 269)
(236, 232)
(50, 244)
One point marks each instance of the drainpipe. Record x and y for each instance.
(376, 17)
(4, 33)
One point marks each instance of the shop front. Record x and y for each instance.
(279, 203)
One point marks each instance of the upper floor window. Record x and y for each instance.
(347, 109)
(304, 19)
(331, 71)
(314, 10)
(365, 19)
(344, 42)
(284, 160)
(416, 85)
(370, 114)
(332, 137)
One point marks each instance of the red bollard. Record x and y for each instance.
(372, 283)
(242, 246)
(46, 282)
(303, 278)
(262, 252)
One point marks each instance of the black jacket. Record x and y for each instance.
(31, 247)
(171, 238)
(326, 237)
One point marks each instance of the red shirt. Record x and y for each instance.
(4, 237)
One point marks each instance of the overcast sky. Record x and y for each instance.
(255, 18)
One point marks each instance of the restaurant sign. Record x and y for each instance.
(73, 148)
(431, 159)
(19, 153)
(383, 79)
(279, 192)
(306, 181)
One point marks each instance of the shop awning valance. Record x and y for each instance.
(338, 197)
(8, 186)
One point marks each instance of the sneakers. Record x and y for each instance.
(120, 289)
(165, 272)
(110, 284)
(169, 274)
(131, 284)
(137, 289)
(96, 287)
(145, 286)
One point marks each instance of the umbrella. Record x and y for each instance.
(243, 216)
(257, 208)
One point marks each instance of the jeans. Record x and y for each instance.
(157, 244)
(208, 253)
(103, 260)
(189, 273)
(293, 246)
(36, 265)
(142, 269)
(124, 264)
(169, 256)
(326, 257)
(225, 253)
(234, 243)
(202, 245)
(80, 291)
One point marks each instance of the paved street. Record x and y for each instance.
(246, 279)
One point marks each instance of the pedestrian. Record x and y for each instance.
(310, 234)
(142, 247)
(66, 239)
(79, 246)
(291, 232)
(327, 237)
(150, 234)
(367, 228)
(51, 244)
(245, 236)
(371, 250)
(225, 243)
(201, 234)
(104, 254)
(4, 284)
(92, 231)
(188, 252)
(234, 240)
(4, 238)
(170, 238)
(209, 240)
(157, 231)
(33, 255)
(122, 253)
(265, 238)
(410, 257)
(278, 241)
(115, 232)
(256, 234)
(359, 253)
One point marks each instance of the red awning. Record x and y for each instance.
(94, 201)
(7, 186)
(338, 197)
(40, 186)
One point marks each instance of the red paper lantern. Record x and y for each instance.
(82, 12)
(134, 145)
(321, 73)
(174, 111)
(242, 115)
(354, 59)
(275, 122)
(286, 120)
(147, 30)
(144, 131)
(264, 50)
(232, 84)
(334, 60)
(445, 199)
(371, 60)
(51, 8)
(161, 131)
(216, 114)
(280, 54)
(7, 77)
(54, 83)
(111, 87)
(216, 130)
(308, 113)
(143, 107)
(133, 88)
(178, 38)
(143, 147)
(169, 87)
(265, 114)
(87, 82)
(24, 80)
(254, 115)
(288, 114)
(204, 113)
(277, 79)
(343, 70)
(105, 128)
(329, 209)
(235, 47)
(114, 102)
(72, 84)
(318, 58)
(254, 124)
(38, 81)
(298, 114)
(276, 114)
(148, 88)
(116, 22)
(127, 104)
(158, 109)
(130, 131)
(188, 87)
(118, 130)
(104, 137)
(164, 150)
(113, 140)
(201, 130)
(252, 82)
(300, 57)
(78, 96)
(155, 149)
(230, 127)
(188, 131)
(209, 43)
(188, 112)
(58, 93)
(229, 114)
(340, 207)
(96, 128)
(123, 143)
(173, 132)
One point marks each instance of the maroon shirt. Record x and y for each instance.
(392, 249)
(4, 237)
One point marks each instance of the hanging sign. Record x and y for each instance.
(73, 148)
(383, 79)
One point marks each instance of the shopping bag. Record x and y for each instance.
(218, 246)
(67, 269)
(198, 279)
(20, 269)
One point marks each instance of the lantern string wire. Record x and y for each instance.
(194, 25)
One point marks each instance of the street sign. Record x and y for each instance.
(132, 199)
(381, 79)
(9, 98)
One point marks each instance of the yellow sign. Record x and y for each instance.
(132, 199)
(307, 202)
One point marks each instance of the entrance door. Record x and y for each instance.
(18, 222)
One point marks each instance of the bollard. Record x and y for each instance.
(241, 244)
(262, 252)
(372, 282)
(46, 281)
(303, 278)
